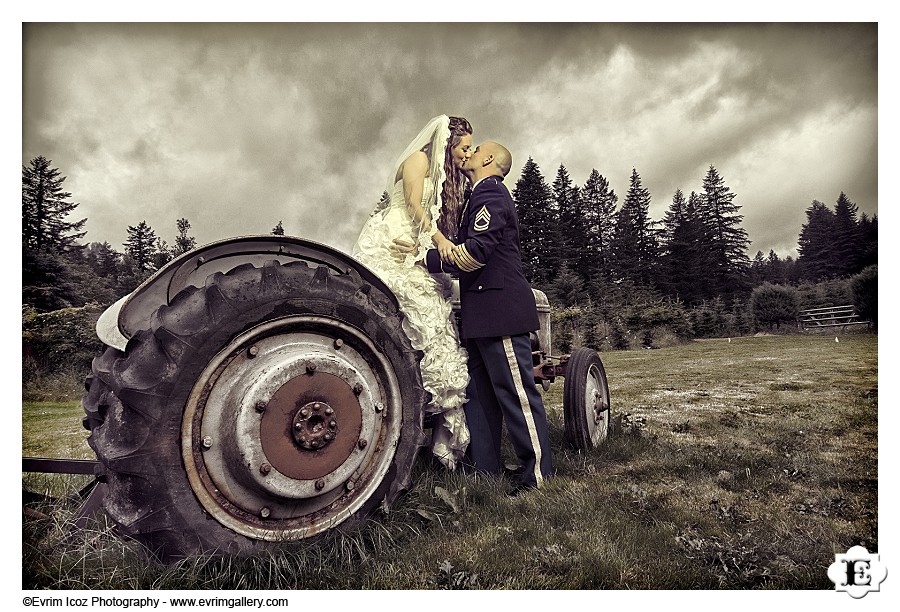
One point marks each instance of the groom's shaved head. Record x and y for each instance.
(502, 156)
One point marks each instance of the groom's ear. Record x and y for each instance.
(488, 160)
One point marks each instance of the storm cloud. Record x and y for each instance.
(239, 126)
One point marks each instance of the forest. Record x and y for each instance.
(617, 279)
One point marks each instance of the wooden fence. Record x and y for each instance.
(830, 316)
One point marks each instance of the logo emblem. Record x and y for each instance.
(482, 219)
(857, 572)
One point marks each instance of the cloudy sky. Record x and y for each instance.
(237, 126)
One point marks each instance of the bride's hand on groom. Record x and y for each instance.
(445, 250)
(401, 248)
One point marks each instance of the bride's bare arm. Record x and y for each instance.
(413, 172)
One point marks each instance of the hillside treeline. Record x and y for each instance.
(616, 278)
(620, 279)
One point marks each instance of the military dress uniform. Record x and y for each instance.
(498, 311)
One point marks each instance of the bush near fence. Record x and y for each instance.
(59, 343)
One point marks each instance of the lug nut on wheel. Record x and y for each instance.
(265, 468)
(207, 442)
(265, 512)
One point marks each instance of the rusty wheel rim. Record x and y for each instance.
(596, 405)
(291, 428)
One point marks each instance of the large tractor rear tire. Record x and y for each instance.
(271, 405)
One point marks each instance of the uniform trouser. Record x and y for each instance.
(501, 388)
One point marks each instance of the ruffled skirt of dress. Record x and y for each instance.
(428, 322)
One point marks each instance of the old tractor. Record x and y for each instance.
(261, 389)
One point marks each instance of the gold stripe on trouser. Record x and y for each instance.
(526, 407)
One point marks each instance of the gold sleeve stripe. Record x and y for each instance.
(466, 261)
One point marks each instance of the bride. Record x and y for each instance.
(424, 206)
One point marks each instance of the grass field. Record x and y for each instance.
(738, 465)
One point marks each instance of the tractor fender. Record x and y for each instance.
(132, 312)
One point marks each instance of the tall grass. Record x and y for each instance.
(726, 468)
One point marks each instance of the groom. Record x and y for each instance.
(498, 311)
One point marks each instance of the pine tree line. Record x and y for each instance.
(580, 229)
(612, 270)
(695, 253)
(604, 266)
(58, 272)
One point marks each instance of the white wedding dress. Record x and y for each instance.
(425, 301)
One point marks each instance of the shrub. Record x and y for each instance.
(774, 304)
(565, 327)
(864, 287)
(834, 292)
(60, 340)
(715, 320)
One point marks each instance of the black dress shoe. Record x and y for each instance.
(519, 489)
(514, 474)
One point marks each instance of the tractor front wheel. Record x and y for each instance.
(586, 405)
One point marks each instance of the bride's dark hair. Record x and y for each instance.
(452, 195)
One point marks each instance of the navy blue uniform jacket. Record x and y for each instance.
(495, 298)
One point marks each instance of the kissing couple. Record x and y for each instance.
(481, 375)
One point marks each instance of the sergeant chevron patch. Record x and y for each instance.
(482, 219)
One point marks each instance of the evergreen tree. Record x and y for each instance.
(104, 260)
(570, 234)
(183, 242)
(774, 304)
(48, 282)
(868, 236)
(537, 223)
(758, 269)
(278, 230)
(567, 289)
(45, 208)
(791, 270)
(635, 247)
(598, 208)
(162, 254)
(673, 218)
(846, 243)
(726, 241)
(815, 247)
(141, 247)
(774, 269)
(682, 254)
